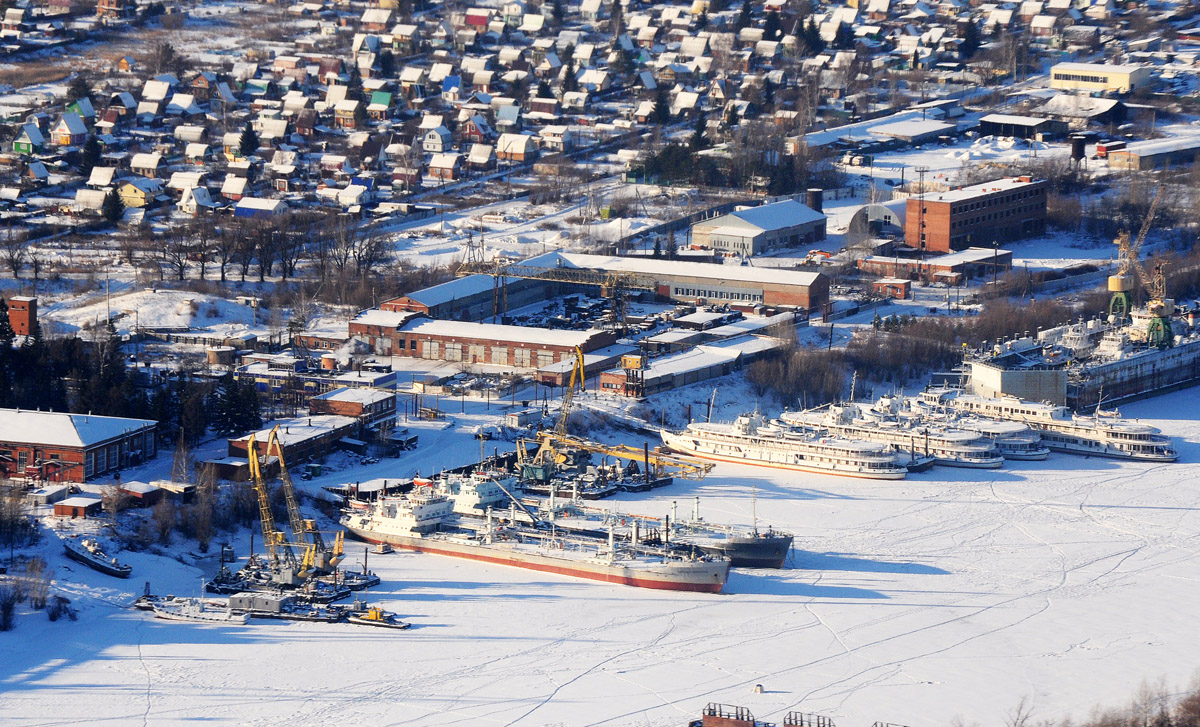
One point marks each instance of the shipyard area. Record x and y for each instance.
(895, 591)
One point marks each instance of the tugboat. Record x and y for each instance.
(89, 552)
(376, 616)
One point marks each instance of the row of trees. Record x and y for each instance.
(897, 351)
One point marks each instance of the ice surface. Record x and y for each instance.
(954, 593)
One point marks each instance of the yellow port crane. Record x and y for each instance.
(325, 558)
(1130, 270)
(285, 568)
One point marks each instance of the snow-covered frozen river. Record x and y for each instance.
(953, 594)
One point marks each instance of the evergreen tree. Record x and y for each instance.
(662, 107)
(7, 336)
(113, 209)
(223, 407)
(970, 42)
(544, 90)
(745, 16)
(699, 140)
(672, 246)
(79, 88)
(702, 20)
(558, 13)
(843, 38)
(249, 142)
(657, 248)
(773, 28)
(813, 44)
(354, 84)
(91, 155)
(768, 92)
(569, 81)
(618, 18)
(387, 63)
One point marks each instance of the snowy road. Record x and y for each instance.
(951, 594)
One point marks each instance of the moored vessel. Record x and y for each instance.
(195, 609)
(89, 552)
(425, 522)
(750, 440)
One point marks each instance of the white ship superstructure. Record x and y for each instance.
(1105, 435)
(750, 440)
(888, 422)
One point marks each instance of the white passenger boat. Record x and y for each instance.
(1103, 435)
(750, 440)
(887, 422)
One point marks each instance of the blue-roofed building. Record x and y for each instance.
(756, 230)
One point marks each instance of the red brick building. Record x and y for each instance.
(999, 211)
(47, 445)
(22, 314)
(516, 346)
(78, 506)
(303, 438)
(369, 406)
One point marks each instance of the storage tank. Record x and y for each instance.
(329, 362)
(815, 199)
(1078, 148)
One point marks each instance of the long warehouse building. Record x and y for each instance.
(739, 286)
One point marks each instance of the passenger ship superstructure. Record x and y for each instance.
(1102, 435)
(887, 422)
(749, 439)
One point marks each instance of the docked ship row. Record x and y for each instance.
(896, 435)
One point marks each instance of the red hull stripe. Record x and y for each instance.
(590, 575)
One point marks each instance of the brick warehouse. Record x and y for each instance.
(71, 447)
(393, 333)
(739, 286)
(22, 314)
(999, 211)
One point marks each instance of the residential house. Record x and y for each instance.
(69, 131)
(446, 167)
(437, 140)
(346, 114)
(140, 192)
(516, 147)
(29, 140)
(147, 165)
(476, 129)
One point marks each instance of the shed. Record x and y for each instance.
(77, 506)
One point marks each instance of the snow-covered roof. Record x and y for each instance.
(497, 332)
(357, 395)
(774, 216)
(54, 429)
(301, 429)
(656, 268)
(385, 318)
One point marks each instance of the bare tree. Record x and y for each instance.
(14, 249)
(174, 249)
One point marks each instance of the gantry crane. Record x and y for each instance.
(1130, 270)
(325, 558)
(285, 568)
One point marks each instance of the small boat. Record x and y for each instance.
(383, 548)
(195, 609)
(89, 552)
(376, 616)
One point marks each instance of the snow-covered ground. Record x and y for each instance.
(952, 594)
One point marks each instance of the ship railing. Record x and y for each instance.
(806, 719)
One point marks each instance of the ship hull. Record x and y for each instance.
(698, 577)
(747, 552)
(96, 564)
(675, 445)
(1034, 456)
